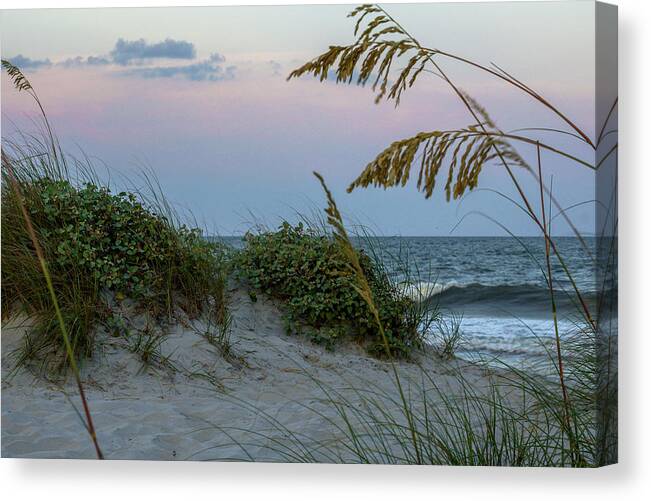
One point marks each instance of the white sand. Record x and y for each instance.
(162, 414)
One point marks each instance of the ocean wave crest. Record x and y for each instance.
(423, 291)
(526, 297)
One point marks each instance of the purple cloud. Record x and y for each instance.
(83, 61)
(207, 70)
(23, 62)
(126, 52)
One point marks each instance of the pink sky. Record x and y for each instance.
(250, 142)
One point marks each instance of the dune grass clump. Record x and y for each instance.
(96, 244)
(70, 245)
(307, 270)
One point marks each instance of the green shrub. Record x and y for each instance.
(309, 272)
(95, 242)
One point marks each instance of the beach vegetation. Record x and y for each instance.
(305, 268)
(447, 337)
(97, 246)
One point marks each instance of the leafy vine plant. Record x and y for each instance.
(382, 44)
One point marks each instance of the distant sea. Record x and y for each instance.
(495, 285)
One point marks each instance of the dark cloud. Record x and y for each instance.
(24, 63)
(126, 51)
(209, 69)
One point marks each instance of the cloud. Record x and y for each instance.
(78, 61)
(23, 62)
(276, 68)
(137, 54)
(97, 60)
(209, 69)
(126, 52)
(216, 58)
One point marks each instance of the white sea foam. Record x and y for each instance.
(422, 291)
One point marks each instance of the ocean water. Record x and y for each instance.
(496, 287)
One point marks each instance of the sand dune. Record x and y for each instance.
(174, 410)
